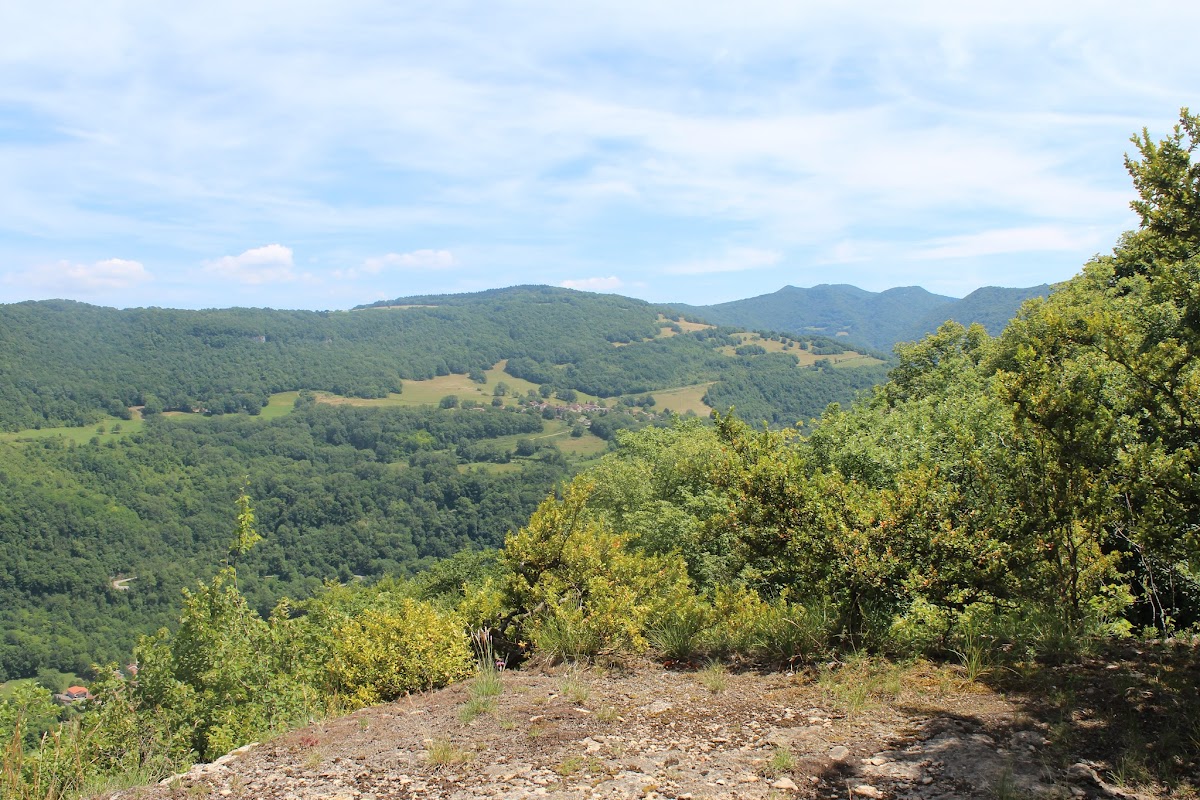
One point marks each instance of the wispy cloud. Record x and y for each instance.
(606, 134)
(69, 277)
(1041, 238)
(611, 283)
(416, 259)
(735, 259)
(259, 265)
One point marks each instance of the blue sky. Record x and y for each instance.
(322, 155)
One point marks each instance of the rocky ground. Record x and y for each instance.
(864, 731)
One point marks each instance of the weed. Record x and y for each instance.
(975, 657)
(475, 707)
(714, 677)
(312, 760)
(569, 766)
(1005, 788)
(607, 714)
(506, 724)
(574, 689)
(781, 761)
(443, 752)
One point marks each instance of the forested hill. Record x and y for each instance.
(69, 363)
(875, 319)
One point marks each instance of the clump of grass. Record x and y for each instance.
(714, 677)
(975, 656)
(475, 707)
(861, 681)
(607, 714)
(443, 752)
(1005, 788)
(678, 636)
(574, 689)
(569, 766)
(781, 761)
(488, 682)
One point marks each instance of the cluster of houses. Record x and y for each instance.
(576, 408)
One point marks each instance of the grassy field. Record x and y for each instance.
(850, 358)
(431, 392)
(683, 399)
(8, 687)
(280, 405)
(80, 435)
(666, 332)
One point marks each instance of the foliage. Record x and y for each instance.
(384, 654)
(340, 491)
(1105, 380)
(77, 362)
(580, 590)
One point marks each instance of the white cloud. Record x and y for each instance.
(735, 259)
(416, 259)
(67, 276)
(272, 262)
(594, 284)
(1038, 238)
(795, 127)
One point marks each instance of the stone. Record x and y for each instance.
(866, 790)
(839, 753)
(785, 783)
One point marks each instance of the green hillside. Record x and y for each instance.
(876, 319)
(68, 363)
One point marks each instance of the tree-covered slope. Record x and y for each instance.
(876, 319)
(340, 491)
(68, 363)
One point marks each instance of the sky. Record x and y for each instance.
(324, 155)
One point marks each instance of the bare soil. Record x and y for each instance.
(645, 731)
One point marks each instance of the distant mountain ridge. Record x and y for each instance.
(876, 319)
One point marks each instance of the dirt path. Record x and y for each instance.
(651, 733)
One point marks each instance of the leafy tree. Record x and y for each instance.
(579, 589)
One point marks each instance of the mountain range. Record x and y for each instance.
(876, 319)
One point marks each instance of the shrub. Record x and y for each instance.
(579, 587)
(384, 654)
(779, 632)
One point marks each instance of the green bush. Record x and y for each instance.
(579, 588)
(387, 653)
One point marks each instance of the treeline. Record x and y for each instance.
(343, 492)
(68, 363)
